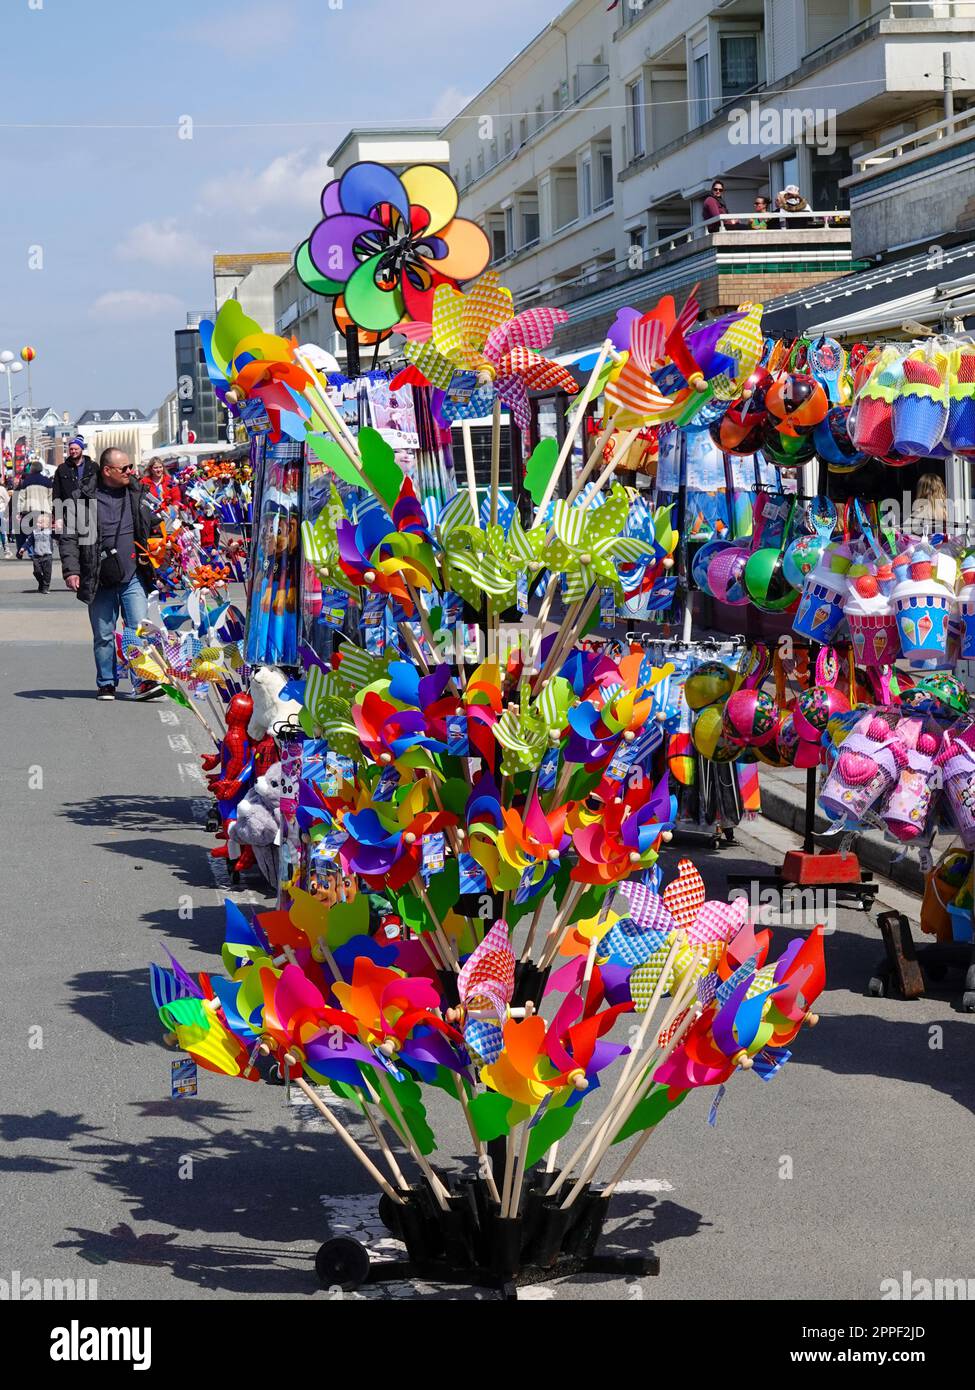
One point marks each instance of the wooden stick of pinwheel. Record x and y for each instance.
(354, 1148)
(607, 350)
(465, 430)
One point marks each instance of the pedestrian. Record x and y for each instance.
(929, 510)
(67, 486)
(4, 518)
(35, 522)
(715, 208)
(159, 485)
(105, 562)
(791, 202)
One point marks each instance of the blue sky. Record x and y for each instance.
(120, 218)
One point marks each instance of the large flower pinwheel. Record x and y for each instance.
(386, 242)
(477, 332)
(588, 547)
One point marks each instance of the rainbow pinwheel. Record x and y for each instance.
(477, 332)
(385, 243)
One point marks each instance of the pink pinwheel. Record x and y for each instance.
(477, 332)
(484, 988)
(576, 1049)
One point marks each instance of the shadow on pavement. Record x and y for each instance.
(86, 694)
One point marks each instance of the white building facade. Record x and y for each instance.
(599, 142)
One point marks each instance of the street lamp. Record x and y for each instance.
(27, 355)
(9, 365)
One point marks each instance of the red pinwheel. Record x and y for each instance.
(625, 835)
(576, 1049)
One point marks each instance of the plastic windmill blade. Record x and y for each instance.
(516, 1072)
(633, 391)
(684, 896)
(743, 342)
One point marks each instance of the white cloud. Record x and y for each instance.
(448, 103)
(291, 181)
(163, 244)
(132, 306)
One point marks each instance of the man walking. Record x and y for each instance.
(104, 561)
(34, 521)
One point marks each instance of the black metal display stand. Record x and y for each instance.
(472, 1245)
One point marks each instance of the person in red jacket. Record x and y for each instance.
(160, 486)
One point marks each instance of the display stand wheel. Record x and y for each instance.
(968, 1001)
(876, 986)
(342, 1263)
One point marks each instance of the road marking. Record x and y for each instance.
(168, 716)
(179, 743)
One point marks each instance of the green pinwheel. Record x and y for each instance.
(479, 562)
(588, 547)
(527, 731)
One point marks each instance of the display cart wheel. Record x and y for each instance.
(968, 1001)
(876, 987)
(388, 1214)
(275, 1076)
(342, 1263)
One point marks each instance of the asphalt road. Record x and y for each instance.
(851, 1166)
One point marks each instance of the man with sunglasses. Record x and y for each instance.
(104, 560)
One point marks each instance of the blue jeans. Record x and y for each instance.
(103, 611)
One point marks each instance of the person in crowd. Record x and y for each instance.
(761, 219)
(791, 201)
(67, 484)
(4, 518)
(160, 487)
(35, 521)
(715, 207)
(929, 510)
(105, 562)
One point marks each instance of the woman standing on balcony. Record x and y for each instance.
(791, 201)
(715, 208)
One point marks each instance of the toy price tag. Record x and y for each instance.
(335, 605)
(521, 593)
(713, 1112)
(434, 853)
(548, 768)
(458, 743)
(471, 877)
(183, 1081)
(607, 607)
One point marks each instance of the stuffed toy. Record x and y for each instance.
(259, 813)
(270, 709)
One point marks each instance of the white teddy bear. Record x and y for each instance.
(269, 708)
(259, 812)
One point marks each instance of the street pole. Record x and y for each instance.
(949, 93)
(27, 355)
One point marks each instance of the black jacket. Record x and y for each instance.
(80, 546)
(66, 478)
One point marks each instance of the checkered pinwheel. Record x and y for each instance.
(475, 332)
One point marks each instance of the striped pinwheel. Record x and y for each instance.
(589, 546)
(476, 333)
(486, 560)
(527, 730)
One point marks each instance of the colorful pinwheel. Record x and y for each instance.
(477, 332)
(385, 243)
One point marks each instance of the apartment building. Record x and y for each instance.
(588, 158)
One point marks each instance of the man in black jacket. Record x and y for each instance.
(68, 477)
(104, 560)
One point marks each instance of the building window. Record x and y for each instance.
(494, 153)
(499, 245)
(467, 173)
(739, 64)
(522, 130)
(636, 119)
(529, 226)
(699, 86)
(585, 188)
(605, 177)
(480, 162)
(539, 115)
(509, 229)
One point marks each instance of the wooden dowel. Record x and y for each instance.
(347, 1140)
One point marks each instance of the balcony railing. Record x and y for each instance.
(804, 233)
(963, 123)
